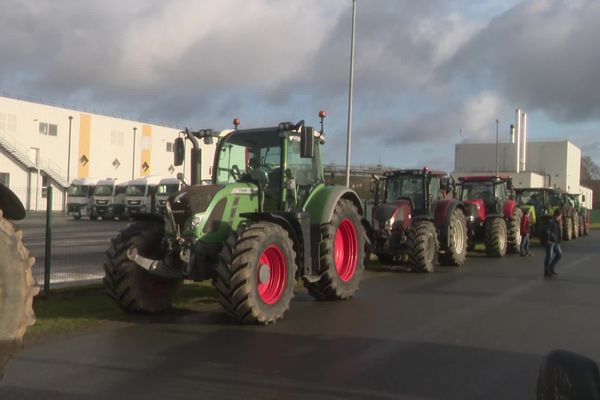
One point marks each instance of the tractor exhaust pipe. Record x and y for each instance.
(196, 158)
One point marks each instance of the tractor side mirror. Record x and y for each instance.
(178, 151)
(307, 142)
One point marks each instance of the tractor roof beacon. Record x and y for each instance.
(267, 220)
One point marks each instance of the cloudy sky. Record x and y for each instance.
(424, 70)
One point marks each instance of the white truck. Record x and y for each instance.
(109, 199)
(139, 194)
(80, 198)
(166, 187)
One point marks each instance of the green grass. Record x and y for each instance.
(70, 311)
(595, 225)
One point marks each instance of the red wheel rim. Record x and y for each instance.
(271, 274)
(345, 250)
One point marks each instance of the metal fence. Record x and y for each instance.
(68, 252)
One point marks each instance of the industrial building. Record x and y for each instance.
(43, 145)
(530, 163)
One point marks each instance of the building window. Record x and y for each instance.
(169, 147)
(116, 138)
(48, 129)
(5, 178)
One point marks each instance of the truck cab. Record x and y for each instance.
(166, 188)
(109, 199)
(139, 195)
(80, 198)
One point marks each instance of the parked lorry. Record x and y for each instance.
(109, 199)
(415, 219)
(140, 195)
(267, 220)
(493, 216)
(80, 200)
(166, 187)
(17, 285)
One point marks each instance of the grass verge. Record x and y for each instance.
(69, 311)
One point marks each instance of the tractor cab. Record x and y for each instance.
(419, 187)
(486, 193)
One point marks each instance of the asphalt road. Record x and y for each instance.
(478, 332)
(78, 247)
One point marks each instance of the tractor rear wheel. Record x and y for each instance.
(576, 226)
(514, 231)
(256, 274)
(495, 237)
(585, 226)
(423, 246)
(456, 253)
(567, 233)
(132, 287)
(341, 255)
(17, 288)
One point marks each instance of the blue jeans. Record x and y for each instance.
(524, 245)
(553, 254)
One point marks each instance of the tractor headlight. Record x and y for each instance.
(196, 220)
(389, 223)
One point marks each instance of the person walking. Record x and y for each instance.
(525, 234)
(552, 243)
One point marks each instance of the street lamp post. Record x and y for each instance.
(133, 165)
(69, 151)
(350, 88)
(497, 147)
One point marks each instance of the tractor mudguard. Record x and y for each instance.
(10, 204)
(322, 202)
(443, 214)
(509, 208)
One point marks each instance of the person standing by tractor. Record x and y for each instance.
(552, 242)
(524, 230)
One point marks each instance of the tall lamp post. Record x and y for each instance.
(69, 151)
(133, 165)
(350, 88)
(497, 146)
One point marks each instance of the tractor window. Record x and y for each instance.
(306, 170)
(477, 190)
(406, 186)
(434, 188)
(135, 190)
(78, 191)
(500, 191)
(103, 190)
(554, 199)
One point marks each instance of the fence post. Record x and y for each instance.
(48, 252)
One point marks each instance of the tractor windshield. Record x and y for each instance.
(408, 186)
(554, 199)
(103, 190)
(245, 150)
(79, 190)
(477, 190)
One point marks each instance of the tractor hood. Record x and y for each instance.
(210, 212)
(387, 216)
(475, 208)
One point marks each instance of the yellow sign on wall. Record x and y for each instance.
(145, 163)
(85, 130)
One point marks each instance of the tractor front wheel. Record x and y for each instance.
(341, 255)
(576, 226)
(495, 237)
(423, 246)
(456, 253)
(132, 287)
(17, 288)
(514, 231)
(567, 228)
(256, 274)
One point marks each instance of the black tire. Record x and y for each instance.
(567, 375)
(495, 237)
(238, 280)
(17, 288)
(585, 227)
(423, 246)
(567, 233)
(342, 284)
(132, 287)
(456, 254)
(576, 225)
(514, 231)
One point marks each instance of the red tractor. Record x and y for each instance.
(415, 220)
(492, 214)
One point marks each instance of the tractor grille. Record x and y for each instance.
(191, 200)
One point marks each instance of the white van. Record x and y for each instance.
(139, 193)
(166, 188)
(80, 198)
(109, 199)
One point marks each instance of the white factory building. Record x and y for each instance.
(530, 163)
(43, 145)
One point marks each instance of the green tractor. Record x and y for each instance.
(542, 203)
(266, 221)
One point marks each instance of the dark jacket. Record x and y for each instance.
(553, 231)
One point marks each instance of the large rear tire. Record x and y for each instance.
(132, 287)
(495, 237)
(576, 225)
(17, 288)
(456, 254)
(256, 274)
(514, 231)
(341, 255)
(423, 246)
(567, 233)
